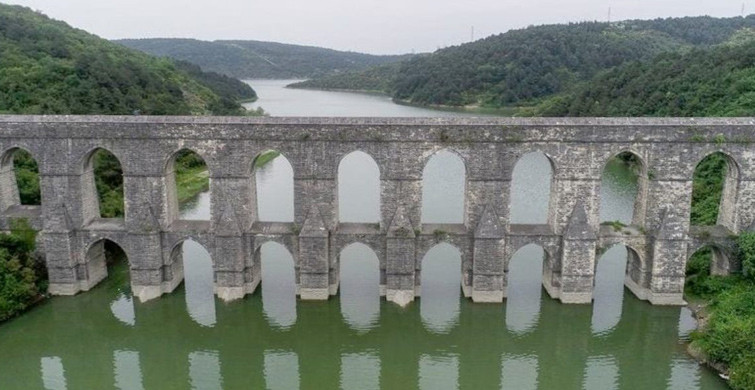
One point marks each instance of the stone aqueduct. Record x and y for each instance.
(659, 240)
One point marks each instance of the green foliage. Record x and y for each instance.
(616, 225)
(728, 337)
(47, 67)
(27, 177)
(707, 187)
(192, 176)
(259, 60)
(524, 67)
(746, 245)
(709, 81)
(108, 178)
(379, 79)
(265, 157)
(22, 278)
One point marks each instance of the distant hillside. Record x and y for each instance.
(379, 78)
(262, 60)
(522, 67)
(48, 67)
(717, 81)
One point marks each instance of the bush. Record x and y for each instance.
(22, 278)
(746, 244)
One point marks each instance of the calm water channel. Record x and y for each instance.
(102, 339)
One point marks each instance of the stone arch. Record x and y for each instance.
(446, 191)
(283, 241)
(722, 260)
(439, 282)
(514, 195)
(90, 197)
(198, 276)
(10, 191)
(199, 239)
(423, 257)
(727, 204)
(640, 168)
(94, 255)
(171, 189)
(635, 258)
(365, 207)
(269, 193)
(375, 254)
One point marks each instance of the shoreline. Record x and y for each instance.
(700, 314)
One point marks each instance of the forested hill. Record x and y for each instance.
(48, 67)
(255, 59)
(522, 67)
(715, 81)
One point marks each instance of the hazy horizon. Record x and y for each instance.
(369, 26)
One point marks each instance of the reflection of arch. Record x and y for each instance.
(267, 198)
(446, 190)
(90, 197)
(366, 204)
(728, 201)
(10, 194)
(523, 196)
(640, 169)
(171, 188)
(722, 261)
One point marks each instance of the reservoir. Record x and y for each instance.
(104, 339)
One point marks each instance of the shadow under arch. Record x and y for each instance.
(279, 279)
(19, 179)
(188, 169)
(194, 262)
(444, 184)
(624, 176)
(706, 190)
(615, 267)
(712, 260)
(360, 287)
(439, 287)
(272, 176)
(105, 258)
(524, 288)
(106, 199)
(532, 189)
(358, 188)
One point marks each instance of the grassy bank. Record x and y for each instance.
(191, 181)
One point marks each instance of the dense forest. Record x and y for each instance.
(259, 60)
(717, 81)
(48, 67)
(522, 68)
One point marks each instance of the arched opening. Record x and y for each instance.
(274, 182)
(440, 281)
(102, 186)
(531, 183)
(360, 286)
(611, 270)
(358, 188)
(19, 179)
(524, 289)
(106, 259)
(188, 186)
(443, 188)
(622, 190)
(705, 269)
(278, 284)
(714, 191)
(199, 281)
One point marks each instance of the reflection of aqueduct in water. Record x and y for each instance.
(658, 242)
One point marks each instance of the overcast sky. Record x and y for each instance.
(371, 26)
